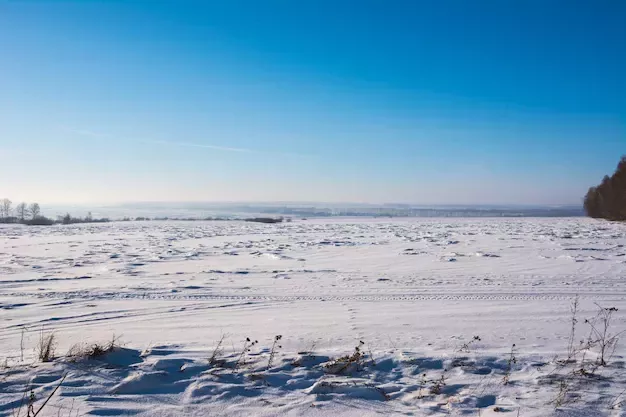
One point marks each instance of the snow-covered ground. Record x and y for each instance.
(410, 294)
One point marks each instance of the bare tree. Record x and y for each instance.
(34, 210)
(5, 208)
(21, 210)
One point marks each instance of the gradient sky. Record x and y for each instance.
(431, 102)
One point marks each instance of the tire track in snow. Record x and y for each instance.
(486, 296)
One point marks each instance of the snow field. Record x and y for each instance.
(415, 292)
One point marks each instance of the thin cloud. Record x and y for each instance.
(98, 135)
(85, 132)
(197, 145)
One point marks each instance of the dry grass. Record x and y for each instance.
(601, 334)
(510, 363)
(588, 361)
(92, 350)
(438, 384)
(214, 359)
(569, 377)
(275, 347)
(349, 363)
(46, 347)
(247, 347)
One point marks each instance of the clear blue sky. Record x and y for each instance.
(432, 102)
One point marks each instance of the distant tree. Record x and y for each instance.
(5, 208)
(21, 210)
(608, 200)
(34, 210)
(40, 221)
(89, 217)
(67, 219)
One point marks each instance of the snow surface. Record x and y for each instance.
(413, 291)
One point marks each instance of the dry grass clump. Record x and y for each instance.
(349, 363)
(92, 350)
(46, 347)
(601, 335)
(588, 361)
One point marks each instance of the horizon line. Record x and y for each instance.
(309, 203)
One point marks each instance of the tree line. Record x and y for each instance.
(608, 199)
(30, 214)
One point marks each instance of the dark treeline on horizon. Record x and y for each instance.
(608, 199)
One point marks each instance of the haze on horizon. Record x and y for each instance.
(422, 102)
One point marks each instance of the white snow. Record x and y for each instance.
(416, 292)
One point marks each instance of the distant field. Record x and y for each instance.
(312, 210)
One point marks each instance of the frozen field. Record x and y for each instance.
(415, 292)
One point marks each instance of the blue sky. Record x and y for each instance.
(446, 102)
